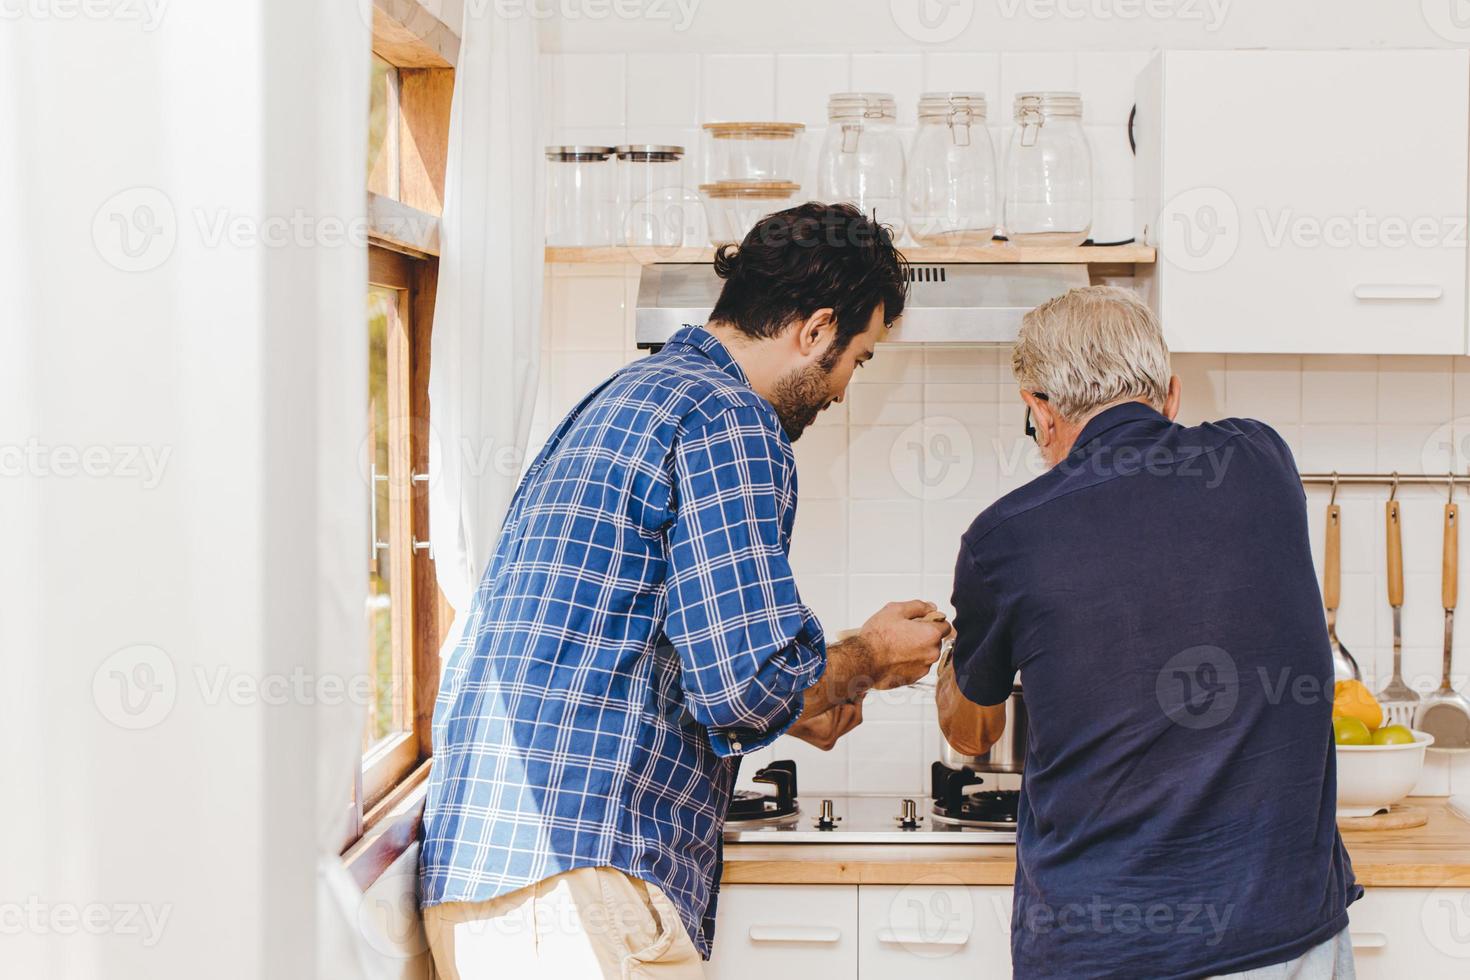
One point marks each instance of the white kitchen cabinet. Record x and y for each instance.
(786, 932)
(1305, 201)
(1418, 933)
(933, 930)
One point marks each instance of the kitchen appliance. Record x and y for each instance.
(951, 177)
(962, 809)
(732, 207)
(581, 194)
(1006, 755)
(951, 303)
(1398, 699)
(752, 150)
(1048, 198)
(1445, 714)
(1344, 667)
(862, 161)
(651, 201)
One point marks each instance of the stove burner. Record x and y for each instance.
(990, 809)
(752, 806)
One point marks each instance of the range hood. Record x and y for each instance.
(953, 303)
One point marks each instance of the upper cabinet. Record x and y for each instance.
(1306, 202)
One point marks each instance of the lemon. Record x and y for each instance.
(1350, 699)
(1350, 731)
(1393, 735)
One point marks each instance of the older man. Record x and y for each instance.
(1155, 591)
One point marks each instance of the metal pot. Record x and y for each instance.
(1006, 755)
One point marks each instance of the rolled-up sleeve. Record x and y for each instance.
(983, 668)
(748, 648)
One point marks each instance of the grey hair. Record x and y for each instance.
(1090, 347)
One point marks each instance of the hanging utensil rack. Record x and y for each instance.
(1386, 479)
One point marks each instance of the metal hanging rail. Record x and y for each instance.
(1394, 480)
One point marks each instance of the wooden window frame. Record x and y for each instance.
(403, 236)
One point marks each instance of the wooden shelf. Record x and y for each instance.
(997, 254)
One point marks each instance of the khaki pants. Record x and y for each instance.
(589, 922)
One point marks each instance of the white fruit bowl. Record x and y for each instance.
(1371, 778)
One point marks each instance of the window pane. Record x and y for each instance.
(382, 158)
(389, 588)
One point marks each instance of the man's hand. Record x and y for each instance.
(904, 640)
(825, 729)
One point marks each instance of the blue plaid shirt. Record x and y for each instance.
(637, 630)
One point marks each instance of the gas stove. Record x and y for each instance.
(962, 809)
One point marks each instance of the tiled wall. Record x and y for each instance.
(927, 438)
(653, 97)
(878, 522)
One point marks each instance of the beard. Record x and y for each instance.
(800, 397)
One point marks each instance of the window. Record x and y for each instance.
(408, 124)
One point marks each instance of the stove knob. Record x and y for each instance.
(825, 820)
(908, 815)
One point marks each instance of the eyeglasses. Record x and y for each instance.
(1031, 429)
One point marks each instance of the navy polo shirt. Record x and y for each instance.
(1156, 593)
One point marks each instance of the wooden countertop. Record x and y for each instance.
(1435, 854)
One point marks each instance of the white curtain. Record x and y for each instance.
(487, 319)
(182, 400)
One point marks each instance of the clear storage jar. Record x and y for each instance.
(752, 150)
(732, 207)
(862, 161)
(951, 181)
(651, 204)
(580, 195)
(1048, 198)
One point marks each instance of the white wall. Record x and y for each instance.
(865, 532)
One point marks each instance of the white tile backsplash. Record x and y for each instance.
(900, 75)
(663, 90)
(1034, 72)
(803, 83)
(738, 87)
(959, 71)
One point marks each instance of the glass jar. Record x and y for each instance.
(951, 172)
(580, 195)
(752, 150)
(861, 161)
(732, 207)
(1048, 172)
(651, 206)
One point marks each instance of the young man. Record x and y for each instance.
(1155, 591)
(638, 629)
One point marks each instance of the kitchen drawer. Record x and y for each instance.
(775, 932)
(935, 929)
(1415, 933)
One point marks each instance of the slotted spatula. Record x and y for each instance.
(1445, 714)
(1398, 699)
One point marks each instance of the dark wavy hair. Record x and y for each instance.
(808, 258)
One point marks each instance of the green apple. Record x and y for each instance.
(1393, 735)
(1350, 731)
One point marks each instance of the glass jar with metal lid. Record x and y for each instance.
(951, 181)
(752, 150)
(580, 195)
(651, 197)
(861, 161)
(1048, 172)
